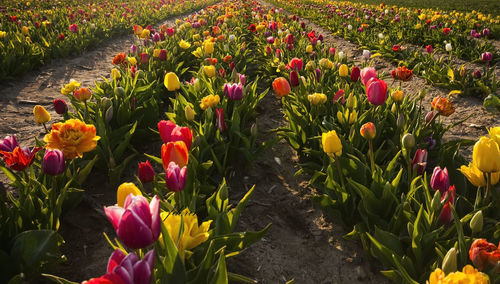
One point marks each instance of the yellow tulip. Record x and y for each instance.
(3, 34)
(495, 134)
(70, 87)
(476, 177)
(184, 44)
(486, 155)
(115, 74)
(317, 98)
(209, 71)
(343, 70)
(192, 234)
(156, 53)
(260, 28)
(132, 60)
(331, 143)
(209, 101)
(209, 47)
(196, 37)
(171, 82)
(348, 116)
(41, 114)
(25, 30)
(397, 96)
(145, 34)
(309, 48)
(198, 52)
(468, 275)
(124, 190)
(189, 113)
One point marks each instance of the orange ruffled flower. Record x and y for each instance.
(402, 73)
(443, 106)
(19, 159)
(119, 58)
(176, 152)
(73, 137)
(484, 255)
(468, 275)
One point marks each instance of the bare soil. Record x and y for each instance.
(302, 243)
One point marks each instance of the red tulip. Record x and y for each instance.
(220, 121)
(449, 197)
(144, 58)
(146, 172)
(170, 132)
(355, 73)
(294, 78)
(419, 161)
(19, 159)
(376, 91)
(60, 106)
(296, 64)
(429, 49)
(367, 73)
(446, 31)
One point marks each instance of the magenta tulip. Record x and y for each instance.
(53, 162)
(486, 57)
(144, 58)
(440, 179)
(137, 223)
(175, 178)
(376, 91)
(419, 161)
(146, 172)
(8, 144)
(368, 73)
(296, 64)
(233, 91)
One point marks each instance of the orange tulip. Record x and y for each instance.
(176, 152)
(281, 87)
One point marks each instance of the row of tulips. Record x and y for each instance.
(175, 225)
(430, 53)
(368, 146)
(34, 32)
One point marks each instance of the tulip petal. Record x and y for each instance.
(114, 214)
(115, 259)
(142, 273)
(133, 232)
(125, 276)
(155, 217)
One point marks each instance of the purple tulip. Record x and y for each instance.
(486, 32)
(133, 48)
(476, 74)
(376, 91)
(419, 161)
(53, 162)
(367, 73)
(486, 56)
(175, 178)
(8, 144)
(242, 78)
(318, 74)
(440, 179)
(156, 37)
(128, 269)
(137, 223)
(60, 106)
(233, 91)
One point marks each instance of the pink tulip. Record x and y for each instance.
(175, 178)
(440, 179)
(233, 91)
(137, 223)
(367, 73)
(296, 64)
(171, 132)
(376, 91)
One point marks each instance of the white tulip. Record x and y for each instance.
(448, 47)
(349, 27)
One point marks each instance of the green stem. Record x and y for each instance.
(488, 185)
(53, 201)
(339, 170)
(86, 110)
(372, 157)
(45, 126)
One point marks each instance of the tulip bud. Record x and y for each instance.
(83, 94)
(189, 113)
(397, 96)
(253, 130)
(351, 101)
(408, 141)
(119, 92)
(146, 172)
(401, 121)
(368, 131)
(41, 114)
(115, 74)
(436, 201)
(343, 70)
(476, 223)
(60, 106)
(429, 116)
(294, 78)
(109, 114)
(53, 162)
(394, 108)
(450, 261)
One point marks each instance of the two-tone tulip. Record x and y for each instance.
(9, 143)
(367, 73)
(174, 152)
(440, 179)
(175, 177)
(138, 222)
(220, 120)
(419, 161)
(281, 87)
(53, 162)
(233, 91)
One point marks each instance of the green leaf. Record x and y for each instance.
(234, 214)
(172, 262)
(220, 274)
(58, 279)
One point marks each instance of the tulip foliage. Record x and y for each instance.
(368, 148)
(430, 42)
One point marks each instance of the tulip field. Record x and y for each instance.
(206, 141)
